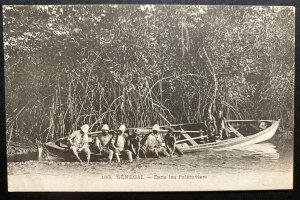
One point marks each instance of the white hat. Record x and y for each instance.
(122, 128)
(105, 127)
(155, 127)
(85, 128)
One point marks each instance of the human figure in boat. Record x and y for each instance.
(221, 125)
(153, 144)
(170, 142)
(104, 141)
(78, 141)
(262, 125)
(132, 146)
(210, 124)
(118, 142)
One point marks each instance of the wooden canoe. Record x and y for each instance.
(246, 133)
(190, 138)
(243, 132)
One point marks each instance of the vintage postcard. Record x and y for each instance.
(149, 97)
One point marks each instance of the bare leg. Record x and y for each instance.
(168, 149)
(110, 155)
(97, 143)
(129, 154)
(118, 157)
(137, 150)
(163, 152)
(172, 150)
(155, 151)
(221, 134)
(143, 152)
(226, 133)
(74, 150)
(88, 154)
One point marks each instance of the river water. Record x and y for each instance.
(267, 165)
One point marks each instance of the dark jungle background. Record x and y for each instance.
(69, 65)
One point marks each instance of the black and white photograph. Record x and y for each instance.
(140, 97)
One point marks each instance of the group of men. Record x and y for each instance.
(114, 143)
(215, 125)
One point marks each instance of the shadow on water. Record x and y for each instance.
(32, 155)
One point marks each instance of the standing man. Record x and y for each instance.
(221, 125)
(153, 143)
(170, 142)
(104, 141)
(79, 142)
(132, 146)
(210, 124)
(118, 142)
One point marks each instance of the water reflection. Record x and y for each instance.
(256, 156)
(262, 151)
(262, 156)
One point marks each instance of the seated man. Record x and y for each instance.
(104, 141)
(79, 142)
(118, 141)
(262, 125)
(153, 143)
(170, 142)
(132, 146)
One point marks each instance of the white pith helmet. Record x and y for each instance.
(105, 127)
(155, 127)
(85, 128)
(122, 128)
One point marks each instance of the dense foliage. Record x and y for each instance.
(69, 65)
